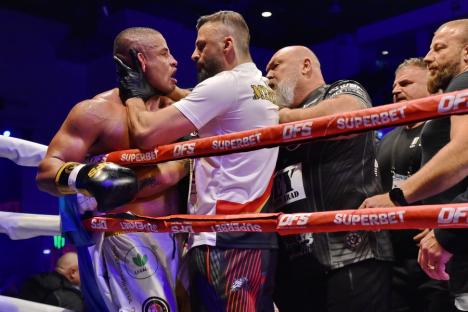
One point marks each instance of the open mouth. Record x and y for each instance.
(173, 79)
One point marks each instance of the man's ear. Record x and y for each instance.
(306, 66)
(228, 43)
(142, 59)
(465, 54)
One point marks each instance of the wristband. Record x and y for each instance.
(64, 179)
(397, 197)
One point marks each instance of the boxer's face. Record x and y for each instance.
(410, 83)
(208, 54)
(445, 57)
(160, 65)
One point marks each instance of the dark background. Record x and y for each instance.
(56, 53)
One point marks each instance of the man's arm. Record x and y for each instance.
(153, 128)
(71, 143)
(448, 167)
(157, 179)
(178, 94)
(338, 104)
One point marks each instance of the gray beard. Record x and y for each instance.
(441, 79)
(285, 91)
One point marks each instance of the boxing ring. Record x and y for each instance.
(343, 124)
(23, 226)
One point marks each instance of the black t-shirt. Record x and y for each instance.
(399, 157)
(435, 135)
(330, 175)
(454, 240)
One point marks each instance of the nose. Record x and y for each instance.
(428, 59)
(173, 61)
(195, 55)
(395, 95)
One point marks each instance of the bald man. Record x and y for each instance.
(121, 271)
(67, 265)
(443, 175)
(343, 271)
(59, 288)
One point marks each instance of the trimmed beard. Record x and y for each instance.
(442, 78)
(285, 91)
(209, 69)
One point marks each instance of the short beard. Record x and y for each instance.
(442, 78)
(209, 69)
(285, 91)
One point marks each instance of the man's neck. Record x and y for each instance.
(303, 92)
(152, 104)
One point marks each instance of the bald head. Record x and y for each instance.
(67, 265)
(459, 28)
(293, 72)
(138, 38)
(296, 53)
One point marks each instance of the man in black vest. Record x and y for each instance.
(343, 271)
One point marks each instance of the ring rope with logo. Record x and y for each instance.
(435, 106)
(372, 219)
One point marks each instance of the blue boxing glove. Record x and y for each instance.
(110, 184)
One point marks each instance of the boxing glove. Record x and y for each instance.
(110, 184)
(132, 81)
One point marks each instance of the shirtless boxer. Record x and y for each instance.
(137, 269)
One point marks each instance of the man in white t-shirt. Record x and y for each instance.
(236, 270)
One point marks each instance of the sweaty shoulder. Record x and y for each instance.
(348, 87)
(98, 108)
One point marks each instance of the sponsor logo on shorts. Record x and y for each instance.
(155, 304)
(140, 262)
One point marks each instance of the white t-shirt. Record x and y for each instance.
(231, 101)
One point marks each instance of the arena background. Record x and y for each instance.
(56, 53)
